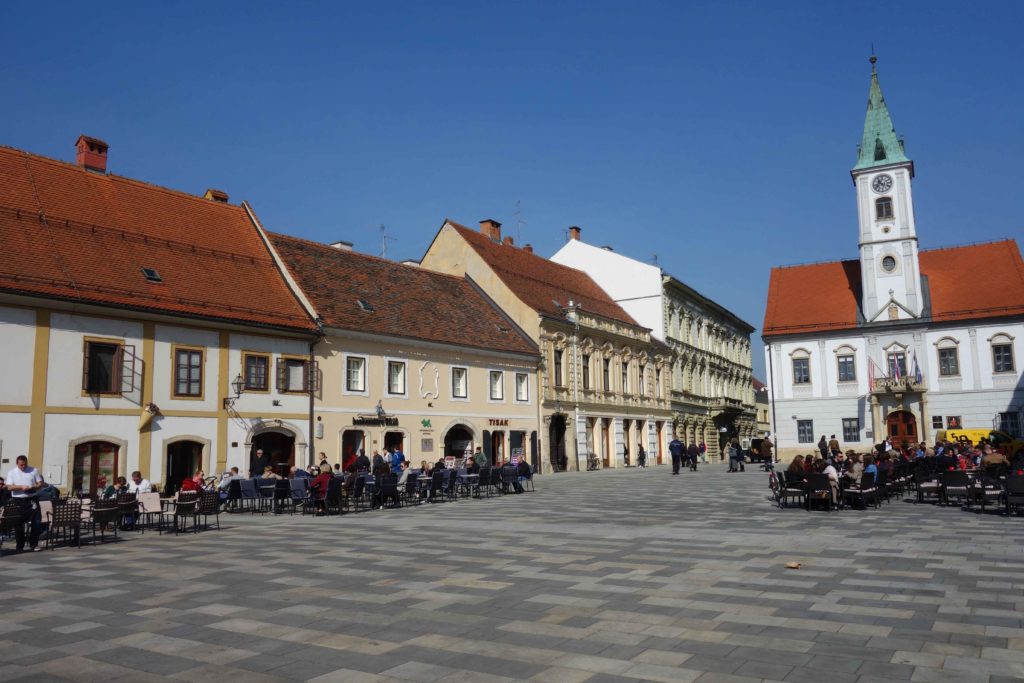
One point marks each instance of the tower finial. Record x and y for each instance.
(873, 59)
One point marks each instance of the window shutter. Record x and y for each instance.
(311, 377)
(117, 370)
(85, 367)
(127, 380)
(282, 375)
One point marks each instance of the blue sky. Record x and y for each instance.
(718, 136)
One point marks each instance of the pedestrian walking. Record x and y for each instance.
(676, 448)
(641, 457)
(693, 452)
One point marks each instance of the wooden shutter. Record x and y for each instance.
(282, 375)
(126, 364)
(313, 377)
(85, 367)
(116, 371)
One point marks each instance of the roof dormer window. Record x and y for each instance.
(152, 275)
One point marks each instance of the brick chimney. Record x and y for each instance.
(91, 153)
(528, 248)
(507, 241)
(491, 228)
(574, 233)
(216, 195)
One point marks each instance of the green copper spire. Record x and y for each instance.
(880, 146)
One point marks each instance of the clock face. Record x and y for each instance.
(882, 183)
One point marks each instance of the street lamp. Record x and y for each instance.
(238, 385)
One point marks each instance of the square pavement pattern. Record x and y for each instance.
(629, 575)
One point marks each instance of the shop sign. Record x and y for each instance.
(374, 421)
(498, 422)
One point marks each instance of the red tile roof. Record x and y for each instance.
(407, 301)
(77, 235)
(965, 283)
(539, 283)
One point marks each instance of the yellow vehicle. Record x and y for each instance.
(1000, 440)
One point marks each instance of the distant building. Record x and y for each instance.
(603, 378)
(761, 407)
(898, 343)
(712, 392)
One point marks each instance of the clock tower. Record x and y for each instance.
(890, 272)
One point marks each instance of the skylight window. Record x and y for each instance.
(365, 305)
(152, 275)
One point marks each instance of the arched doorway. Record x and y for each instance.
(393, 440)
(457, 440)
(93, 459)
(901, 426)
(183, 459)
(352, 441)
(556, 437)
(278, 449)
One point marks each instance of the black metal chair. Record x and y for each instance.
(483, 483)
(65, 522)
(818, 488)
(955, 484)
(985, 490)
(104, 513)
(127, 506)
(208, 505)
(184, 512)
(926, 485)
(867, 489)
(1014, 496)
(437, 486)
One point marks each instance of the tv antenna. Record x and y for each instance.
(384, 237)
(518, 213)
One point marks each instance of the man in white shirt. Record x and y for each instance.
(138, 484)
(24, 483)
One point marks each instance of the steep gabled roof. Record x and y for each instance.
(542, 284)
(73, 234)
(965, 283)
(880, 145)
(406, 301)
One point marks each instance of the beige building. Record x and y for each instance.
(412, 359)
(604, 380)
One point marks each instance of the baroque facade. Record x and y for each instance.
(712, 395)
(901, 342)
(603, 378)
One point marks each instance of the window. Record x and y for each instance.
(847, 370)
(355, 374)
(188, 373)
(396, 377)
(558, 368)
(897, 364)
(936, 422)
(1002, 358)
(497, 385)
(294, 376)
(805, 431)
(1010, 423)
(851, 429)
(586, 372)
(949, 364)
(522, 387)
(889, 265)
(801, 371)
(256, 372)
(657, 383)
(625, 378)
(883, 208)
(460, 385)
(607, 375)
(643, 380)
(102, 373)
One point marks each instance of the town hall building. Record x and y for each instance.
(901, 342)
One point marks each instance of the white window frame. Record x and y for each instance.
(451, 382)
(345, 390)
(490, 392)
(516, 377)
(800, 354)
(1002, 339)
(387, 378)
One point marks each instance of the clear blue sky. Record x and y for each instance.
(718, 136)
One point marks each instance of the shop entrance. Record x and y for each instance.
(458, 441)
(556, 437)
(278, 449)
(92, 460)
(183, 459)
(393, 440)
(901, 426)
(352, 441)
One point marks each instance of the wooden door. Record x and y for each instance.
(901, 426)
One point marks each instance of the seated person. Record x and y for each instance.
(870, 467)
(795, 472)
(139, 485)
(350, 480)
(439, 465)
(193, 483)
(298, 473)
(833, 478)
(403, 478)
(472, 467)
(318, 486)
(269, 473)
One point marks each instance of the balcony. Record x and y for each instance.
(903, 385)
(724, 404)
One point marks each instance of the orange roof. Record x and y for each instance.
(965, 283)
(74, 234)
(407, 301)
(540, 283)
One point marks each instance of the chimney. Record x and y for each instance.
(507, 241)
(491, 228)
(342, 245)
(91, 154)
(528, 248)
(216, 195)
(574, 233)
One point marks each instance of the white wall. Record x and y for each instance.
(17, 339)
(166, 338)
(635, 285)
(67, 347)
(264, 402)
(14, 428)
(61, 430)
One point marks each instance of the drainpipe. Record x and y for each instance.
(771, 384)
(311, 450)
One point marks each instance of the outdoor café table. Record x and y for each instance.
(468, 481)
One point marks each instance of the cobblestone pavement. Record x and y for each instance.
(610, 576)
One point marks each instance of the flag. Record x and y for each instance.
(894, 366)
(918, 377)
(871, 374)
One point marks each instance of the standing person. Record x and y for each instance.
(258, 463)
(833, 447)
(766, 448)
(625, 454)
(676, 448)
(703, 452)
(692, 453)
(641, 457)
(739, 454)
(479, 457)
(397, 458)
(323, 461)
(823, 447)
(362, 462)
(730, 449)
(24, 483)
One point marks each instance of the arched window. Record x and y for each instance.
(1002, 353)
(801, 366)
(883, 208)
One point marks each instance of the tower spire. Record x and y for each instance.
(880, 146)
